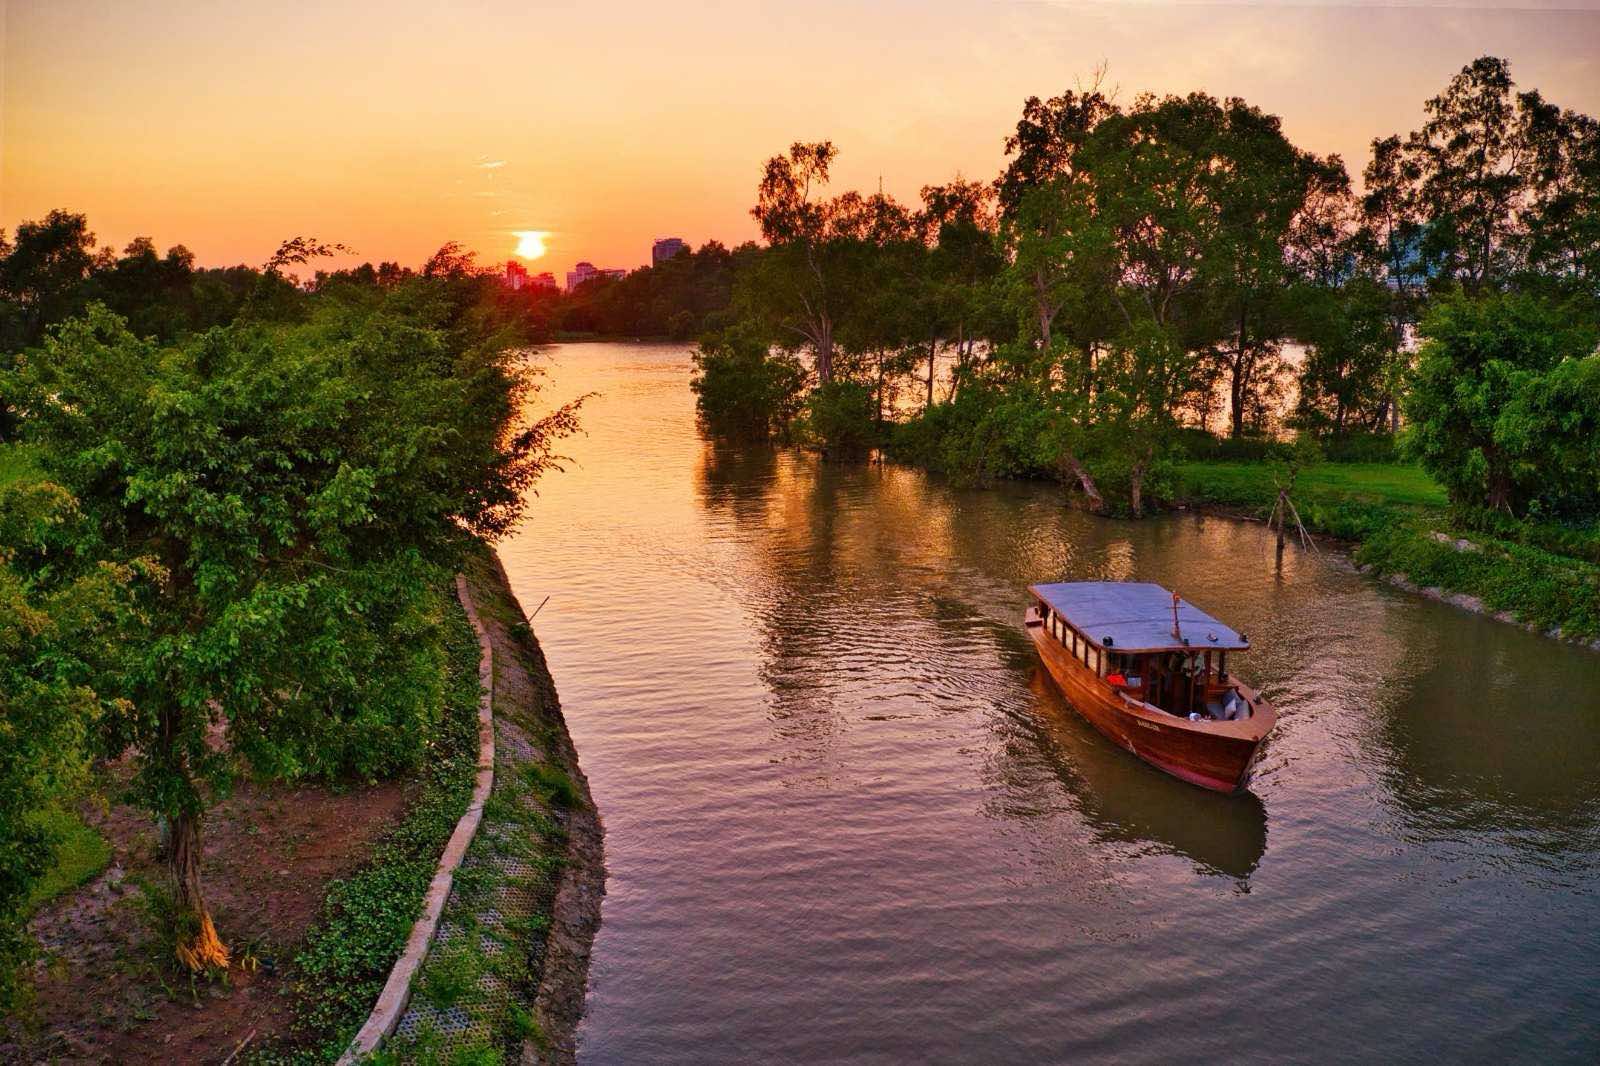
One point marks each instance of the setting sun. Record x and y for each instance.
(530, 243)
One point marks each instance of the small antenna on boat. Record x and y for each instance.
(1175, 632)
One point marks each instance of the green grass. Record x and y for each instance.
(1549, 591)
(1251, 485)
(81, 853)
(552, 784)
(1545, 575)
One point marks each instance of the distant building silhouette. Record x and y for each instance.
(665, 249)
(587, 271)
(517, 278)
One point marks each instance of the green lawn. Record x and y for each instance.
(81, 853)
(1547, 575)
(1250, 485)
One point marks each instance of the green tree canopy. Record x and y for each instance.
(291, 495)
(1497, 400)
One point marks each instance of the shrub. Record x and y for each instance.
(840, 420)
(988, 432)
(1361, 447)
(742, 389)
(553, 785)
(366, 917)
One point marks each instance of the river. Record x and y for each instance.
(849, 819)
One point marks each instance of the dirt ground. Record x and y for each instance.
(104, 991)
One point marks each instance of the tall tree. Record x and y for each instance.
(1472, 174)
(1260, 184)
(800, 290)
(960, 272)
(1561, 166)
(1048, 221)
(42, 280)
(154, 293)
(1155, 181)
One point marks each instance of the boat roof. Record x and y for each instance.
(1132, 616)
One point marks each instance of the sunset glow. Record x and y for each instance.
(530, 243)
(658, 121)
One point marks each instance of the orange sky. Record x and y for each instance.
(394, 127)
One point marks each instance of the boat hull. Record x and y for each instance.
(1212, 754)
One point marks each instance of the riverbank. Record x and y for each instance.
(1397, 523)
(506, 972)
(315, 887)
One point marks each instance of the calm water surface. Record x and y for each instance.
(848, 818)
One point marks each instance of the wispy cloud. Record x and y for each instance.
(491, 164)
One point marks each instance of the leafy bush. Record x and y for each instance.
(986, 433)
(54, 636)
(1579, 540)
(1361, 447)
(1505, 403)
(840, 420)
(1113, 475)
(366, 918)
(742, 389)
(1200, 445)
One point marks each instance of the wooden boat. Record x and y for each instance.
(1150, 671)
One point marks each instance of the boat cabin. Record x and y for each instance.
(1146, 642)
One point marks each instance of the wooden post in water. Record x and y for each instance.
(1281, 511)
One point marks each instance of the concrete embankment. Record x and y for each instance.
(499, 960)
(528, 692)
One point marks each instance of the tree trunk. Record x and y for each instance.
(1046, 316)
(933, 347)
(1136, 488)
(1097, 502)
(961, 363)
(1237, 386)
(1282, 513)
(877, 418)
(198, 946)
(824, 351)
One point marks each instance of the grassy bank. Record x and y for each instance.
(504, 978)
(1542, 575)
(81, 853)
